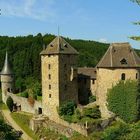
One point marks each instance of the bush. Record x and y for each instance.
(24, 94)
(10, 103)
(116, 132)
(92, 112)
(122, 100)
(67, 108)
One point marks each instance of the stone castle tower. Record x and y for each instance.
(59, 75)
(120, 62)
(7, 79)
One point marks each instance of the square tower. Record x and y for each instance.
(59, 75)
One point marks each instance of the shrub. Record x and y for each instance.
(24, 94)
(10, 103)
(92, 112)
(122, 100)
(67, 108)
(116, 132)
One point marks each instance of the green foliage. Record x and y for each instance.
(20, 84)
(92, 99)
(122, 100)
(116, 132)
(24, 94)
(10, 103)
(93, 112)
(67, 108)
(7, 132)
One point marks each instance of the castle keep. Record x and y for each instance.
(63, 81)
(59, 75)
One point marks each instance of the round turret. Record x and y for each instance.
(7, 79)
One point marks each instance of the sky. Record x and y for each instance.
(100, 20)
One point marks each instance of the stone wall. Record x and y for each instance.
(50, 97)
(93, 86)
(24, 103)
(106, 78)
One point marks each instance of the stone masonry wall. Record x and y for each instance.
(50, 97)
(25, 105)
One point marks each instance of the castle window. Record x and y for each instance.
(65, 87)
(51, 45)
(123, 76)
(49, 86)
(49, 66)
(50, 95)
(49, 76)
(136, 75)
(93, 81)
(49, 55)
(65, 45)
(123, 61)
(85, 80)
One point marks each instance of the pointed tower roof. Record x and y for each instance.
(6, 68)
(120, 55)
(59, 46)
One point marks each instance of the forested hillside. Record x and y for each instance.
(24, 53)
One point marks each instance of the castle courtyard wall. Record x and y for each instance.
(25, 104)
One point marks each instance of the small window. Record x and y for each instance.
(49, 55)
(136, 75)
(50, 95)
(123, 61)
(51, 45)
(49, 66)
(65, 45)
(123, 76)
(85, 80)
(49, 86)
(49, 76)
(65, 87)
(93, 81)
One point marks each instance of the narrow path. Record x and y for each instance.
(10, 120)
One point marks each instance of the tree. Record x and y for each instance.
(10, 103)
(67, 108)
(123, 100)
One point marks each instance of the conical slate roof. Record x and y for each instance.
(59, 46)
(6, 68)
(120, 55)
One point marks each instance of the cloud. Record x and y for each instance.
(103, 40)
(35, 9)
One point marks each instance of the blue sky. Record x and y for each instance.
(100, 20)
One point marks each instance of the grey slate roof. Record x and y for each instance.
(120, 55)
(59, 46)
(6, 68)
(91, 72)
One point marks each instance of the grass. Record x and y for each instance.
(23, 120)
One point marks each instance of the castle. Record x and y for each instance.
(62, 80)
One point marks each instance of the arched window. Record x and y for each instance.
(123, 76)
